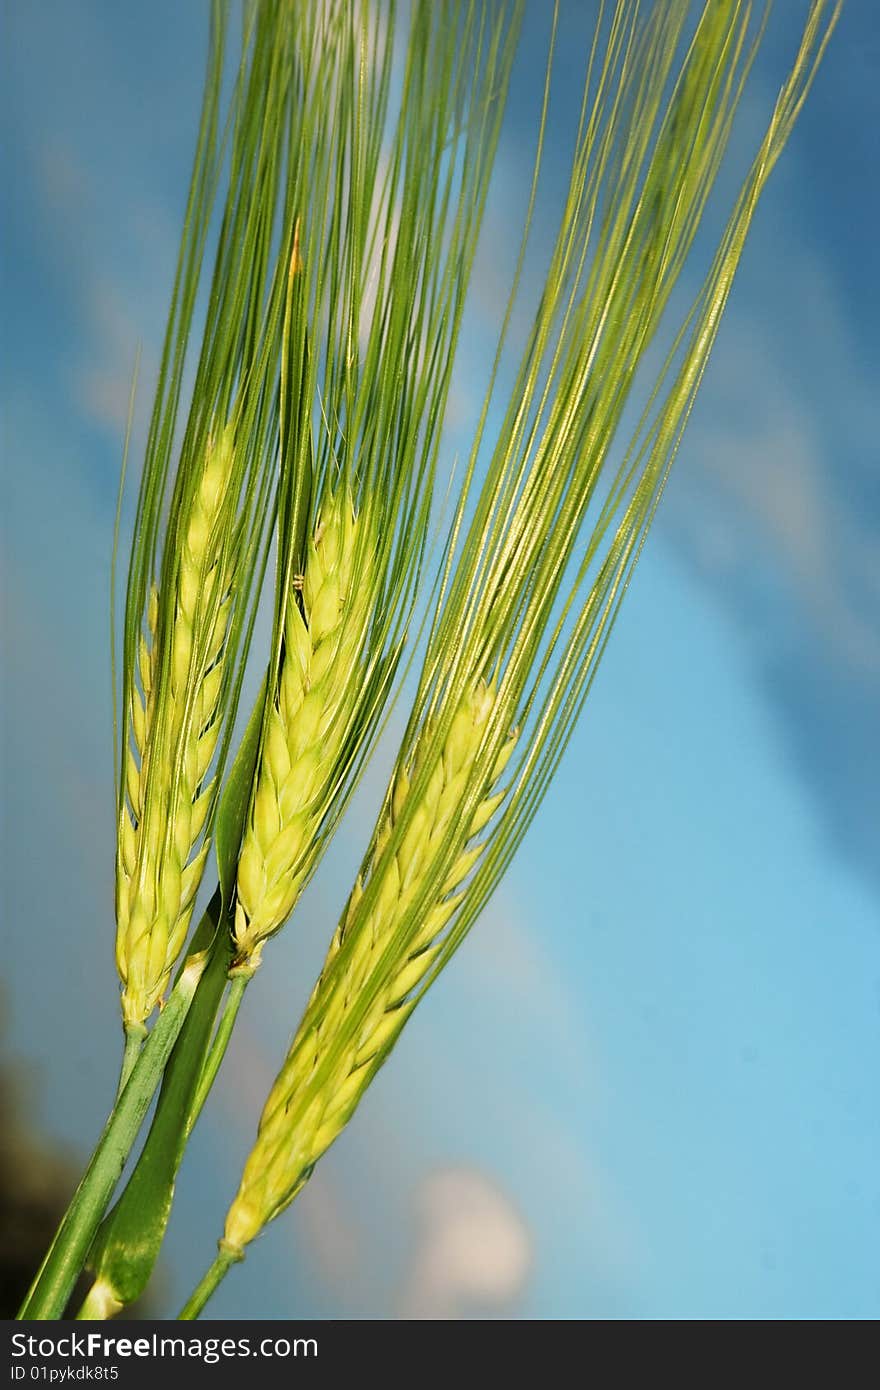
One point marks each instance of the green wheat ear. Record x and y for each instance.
(290, 1142)
(378, 278)
(174, 727)
(325, 629)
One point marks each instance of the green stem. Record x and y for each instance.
(134, 1038)
(227, 1255)
(219, 1044)
(127, 1245)
(67, 1254)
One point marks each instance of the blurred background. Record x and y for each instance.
(647, 1085)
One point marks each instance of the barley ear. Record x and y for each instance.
(320, 1085)
(174, 724)
(325, 627)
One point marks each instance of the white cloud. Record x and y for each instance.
(474, 1250)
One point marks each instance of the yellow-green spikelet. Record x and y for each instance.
(173, 736)
(317, 689)
(299, 1123)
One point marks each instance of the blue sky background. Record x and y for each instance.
(646, 1087)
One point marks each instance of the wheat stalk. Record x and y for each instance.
(325, 627)
(522, 597)
(204, 510)
(276, 1168)
(199, 546)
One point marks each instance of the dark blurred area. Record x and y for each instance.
(36, 1183)
(37, 1180)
